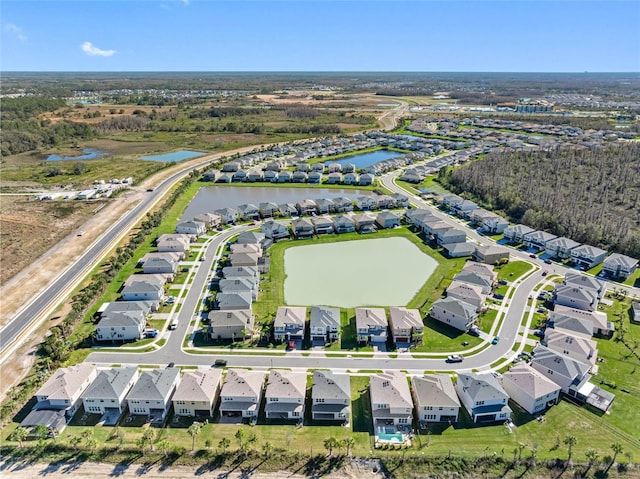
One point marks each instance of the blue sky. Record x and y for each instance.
(325, 35)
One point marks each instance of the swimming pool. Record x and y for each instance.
(388, 434)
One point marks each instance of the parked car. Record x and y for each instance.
(80, 233)
(538, 332)
(171, 364)
(503, 281)
(474, 331)
(220, 362)
(495, 340)
(291, 345)
(454, 358)
(498, 296)
(532, 255)
(548, 261)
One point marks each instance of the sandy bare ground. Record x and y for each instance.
(75, 470)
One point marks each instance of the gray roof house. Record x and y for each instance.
(230, 324)
(387, 219)
(322, 225)
(197, 393)
(284, 395)
(343, 204)
(366, 179)
(237, 285)
(227, 215)
(405, 324)
(299, 177)
(391, 401)
(108, 391)
(232, 272)
(330, 396)
(247, 237)
(244, 259)
(306, 207)
(248, 212)
(533, 391)
(350, 178)
(231, 301)
(435, 398)
(566, 372)
(366, 202)
(324, 324)
(537, 240)
(451, 235)
(585, 282)
(287, 209)
(121, 326)
(471, 277)
(459, 250)
(343, 224)
(454, 312)
(490, 254)
(161, 265)
(63, 390)
(601, 325)
(561, 247)
(467, 292)
(364, 223)
(241, 393)
(325, 205)
(619, 266)
(334, 178)
(268, 209)
(145, 290)
(302, 228)
(574, 297)
(314, 177)
(289, 323)
(371, 325)
(580, 327)
(580, 348)
(275, 230)
(191, 228)
(587, 256)
(483, 397)
(151, 394)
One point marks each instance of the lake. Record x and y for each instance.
(174, 156)
(350, 274)
(367, 159)
(211, 198)
(87, 154)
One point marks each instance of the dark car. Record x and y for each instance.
(495, 340)
(171, 364)
(220, 362)
(498, 295)
(532, 255)
(548, 261)
(291, 345)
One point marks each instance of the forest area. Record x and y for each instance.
(590, 196)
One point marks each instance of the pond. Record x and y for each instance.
(211, 198)
(87, 154)
(367, 159)
(174, 156)
(349, 274)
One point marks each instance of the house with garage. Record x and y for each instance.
(63, 390)
(601, 324)
(151, 394)
(483, 397)
(227, 215)
(233, 301)
(324, 324)
(350, 178)
(494, 225)
(306, 207)
(582, 349)
(450, 235)
(289, 323)
(325, 206)
(107, 393)
(254, 175)
(406, 325)
(467, 292)
(274, 230)
(248, 248)
(566, 372)
(391, 402)
(578, 327)
(366, 179)
(270, 176)
(619, 266)
(532, 391)
(490, 254)
(459, 250)
(244, 259)
(299, 177)
(343, 224)
(454, 312)
(364, 223)
(302, 228)
(173, 243)
(314, 177)
(285, 177)
(400, 200)
(366, 202)
(586, 257)
(231, 166)
(560, 247)
(484, 281)
(121, 326)
(211, 175)
(435, 399)
(330, 396)
(585, 282)
(285, 395)
(210, 220)
(537, 240)
(575, 297)
(334, 178)
(250, 237)
(239, 285)
(233, 272)
(268, 209)
(322, 225)
(160, 264)
(195, 228)
(371, 325)
(387, 219)
(384, 202)
(241, 393)
(515, 234)
(197, 393)
(142, 290)
(230, 324)
(248, 212)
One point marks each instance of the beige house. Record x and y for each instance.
(172, 243)
(530, 389)
(284, 395)
(435, 398)
(241, 393)
(371, 325)
(64, 389)
(330, 396)
(469, 293)
(197, 393)
(406, 325)
(579, 348)
(230, 324)
(289, 323)
(391, 401)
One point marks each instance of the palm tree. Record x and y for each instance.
(592, 456)
(148, 436)
(41, 431)
(91, 444)
(224, 444)
(267, 448)
(19, 434)
(348, 442)
(193, 431)
(329, 444)
(241, 437)
(164, 447)
(75, 441)
(570, 441)
(616, 447)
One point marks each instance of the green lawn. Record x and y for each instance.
(441, 338)
(513, 270)
(487, 319)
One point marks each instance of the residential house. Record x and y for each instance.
(254, 175)
(170, 243)
(619, 266)
(108, 391)
(384, 202)
(244, 259)
(578, 327)
(391, 401)
(482, 269)
(274, 230)
(233, 272)
(464, 208)
(151, 394)
(211, 175)
(230, 324)
(451, 235)
(459, 250)
(566, 372)
(371, 325)
(247, 248)
(343, 224)
(537, 240)
(284, 395)
(289, 323)
(575, 297)
(560, 247)
(490, 254)
(231, 166)
(324, 324)
(454, 312)
(366, 202)
(366, 179)
(579, 348)
(334, 167)
(334, 178)
(319, 167)
(585, 282)
(144, 290)
(225, 178)
(287, 209)
(364, 223)
(160, 264)
(145, 306)
(322, 225)
(306, 207)
(435, 399)
(483, 397)
(210, 220)
(191, 228)
(343, 204)
(299, 177)
(314, 177)
(302, 228)
(268, 209)
(601, 325)
(121, 326)
(227, 215)
(330, 396)
(239, 176)
(635, 312)
(405, 324)
(348, 168)
(351, 178)
(250, 237)
(285, 177)
(232, 301)
(325, 206)
(587, 257)
(270, 176)
(238, 285)
(533, 391)
(467, 292)
(400, 200)
(63, 390)
(482, 280)
(197, 393)
(241, 393)
(387, 219)
(494, 225)
(248, 212)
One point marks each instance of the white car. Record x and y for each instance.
(454, 358)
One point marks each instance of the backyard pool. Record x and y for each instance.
(391, 436)
(174, 156)
(349, 274)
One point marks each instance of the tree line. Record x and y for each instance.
(590, 196)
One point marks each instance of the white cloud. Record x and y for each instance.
(15, 30)
(91, 50)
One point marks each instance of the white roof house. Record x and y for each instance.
(390, 398)
(197, 392)
(284, 394)
(435, 398)
(241, 393)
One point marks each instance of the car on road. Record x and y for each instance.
(547, 261)
(219, 362)
(203, 258)
(545, 272)
(454, 358)
(495, 340)
(533, 256)
(171, 364)
(80, 233)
